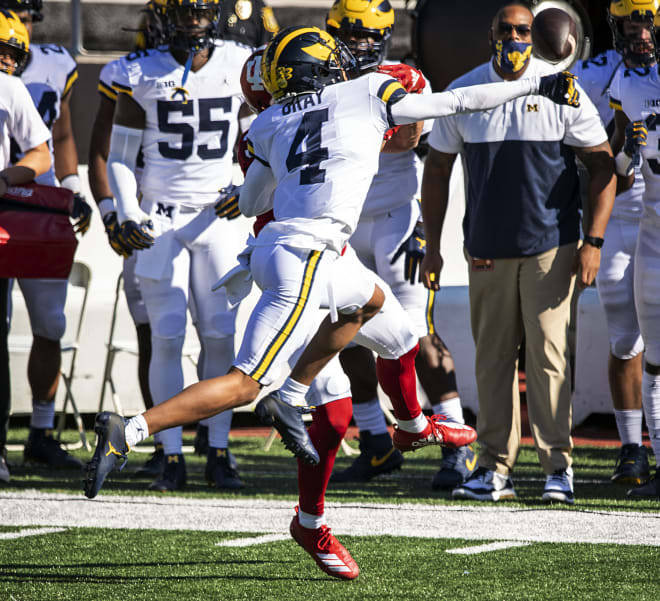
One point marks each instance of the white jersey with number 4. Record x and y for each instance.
(191, 129)
(323, 149)
(637, 93)
(49, 76)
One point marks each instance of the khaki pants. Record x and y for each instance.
(530, 296)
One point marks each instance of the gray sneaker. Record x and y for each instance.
(485, 485)
(559, 487)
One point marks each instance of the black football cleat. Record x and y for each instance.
(173, 476)
(42, 448)
(377, 456)
(111, 448)
(201, 441)
(456, 467)
(152, 467)
(650, 490)
(287, 420)
(632, 465)
(219, 472)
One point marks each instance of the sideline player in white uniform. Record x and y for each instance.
(321, 140)
(635, 93)
(631, 24)
(19, 120)
(389, 240)
(151, 34)
(180, 105)
(49, 77)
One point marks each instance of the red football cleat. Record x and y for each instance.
(438, 431)
(330, 555)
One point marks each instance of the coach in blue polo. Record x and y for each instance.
(522, 243)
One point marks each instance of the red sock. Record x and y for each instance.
(329, 425)
(397, 378)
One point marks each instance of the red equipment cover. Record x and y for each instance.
(36, 235)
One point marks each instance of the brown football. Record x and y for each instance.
(554, 35)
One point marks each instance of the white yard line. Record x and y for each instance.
(30, 532)
(255, 540)
(505, 544)
(488, 522)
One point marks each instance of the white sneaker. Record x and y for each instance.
(4, 469)
(559, 487)
(485, 485)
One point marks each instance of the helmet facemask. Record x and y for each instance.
(634, 50)
(184, 34)
(368, 47)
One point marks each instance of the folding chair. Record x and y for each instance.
(80, 277)
(125, 346)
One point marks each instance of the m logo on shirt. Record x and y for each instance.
(532, 108)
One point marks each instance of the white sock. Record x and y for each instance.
(293, 393)
(419, 424)
(307, 520)
(629, 425)
(219, 426)
(369, 417)
(43, 415)
(651, 400)
(136, 430)
(451, 409)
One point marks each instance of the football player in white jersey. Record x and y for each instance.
(180, 106)
(389, 240)
(49, 76)
(635, 95)
(150, 34)
(317, 150)
(630, 22)
(19, 120)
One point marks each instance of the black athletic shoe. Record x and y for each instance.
(456, 467)
(632, 465)
(153, 467)
(111, 447)
(377, 456)
(201, 441)
(219, 472)
(42, 448)
(650, 490)
(173, 476)
(287, 420)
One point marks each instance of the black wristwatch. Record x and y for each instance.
(594, 241)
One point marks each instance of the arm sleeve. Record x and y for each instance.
(26, 125)
(415, 107)
(256, 195)
(125, 144)
(615, 92)
(584, 127)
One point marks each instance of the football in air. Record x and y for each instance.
(554, 35)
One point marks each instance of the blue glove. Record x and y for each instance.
(136, 235)
(227, 205)
(560, 88)
(112, 229)
(414, 249)
(636, 134)
(82, 214)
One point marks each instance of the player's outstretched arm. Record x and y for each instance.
(256, 195)
(558, 87)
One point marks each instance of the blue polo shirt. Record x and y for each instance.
(521, 183)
